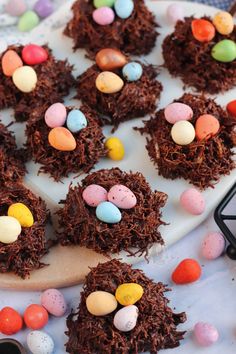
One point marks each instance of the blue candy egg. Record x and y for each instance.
(108, 212)
(132, 71)
(124, 8)
(76, 121)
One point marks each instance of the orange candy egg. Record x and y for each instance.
(61, 139)
(35, 316)
(203, 30)
(10, 62)
(206, 127)
(10, 321)
(231, 108)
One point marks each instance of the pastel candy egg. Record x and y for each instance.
(126, 318)
(108, 213)
(22, 213)
(94, 194)
(213, 245)
(183, 132)
(129, 293)
(25, 79)
(177, 111)
(44, 8)
(203, 30)
(28, 21)
(224, 51)
(101, 303)
(55, 115)
(40, 343)
(124, 8)
(33, 54)
(110, 59)
(61, 139)
(10, 229)
(224, 22)
(54, 302)
(15, 7)
(206, 127)
(10, 62)
(205, 334)
(103, 16)
(175, 12)
(192, 201)
(102, 3)
(132, 71)
(108, 82)
(76, 121)
(115, 147)
(231, 108)
(122, 197)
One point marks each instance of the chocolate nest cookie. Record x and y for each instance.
(202, 163)
(78, 224)
(156, 326)
(135, 35)
(191, 59)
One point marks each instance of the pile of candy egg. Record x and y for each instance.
(106, 10)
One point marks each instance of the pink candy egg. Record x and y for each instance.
(54, 302)
(103, 16)
(175, 12)
(94, 194)
(192, 201)
(16, 7)
(205, 334)
(177, 111)
(122, 197)
(213, 245)
(55, 115)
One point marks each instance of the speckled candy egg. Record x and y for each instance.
(94, 194)
(126, 318)
(203, 30)
(183, 132)
(177, 111)
(224, 22)
(10, 62)
(110, 59)
(108, 82)
(54, 302)
(25, 79)
(10, 229)
(55, 115)
(61, 139)
(103, 16)
(101, 303)
(175, 12)
(132, 71)
(76, 121)
(224, 51)
(115, 147)
(109, 213)
(192, 201)
(124, 8)
(33, 54)
(40, 343)
(206, 127)
(213, 245)
(122, 197)
(129, 293)
(205, 334)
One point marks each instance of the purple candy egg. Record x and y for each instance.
(44, 8)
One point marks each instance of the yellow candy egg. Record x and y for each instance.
(101, 303)
(115, 147)
(10, 229)
(129, 293)
(108, 82)
(224, 22)
(25, 79)
(22, 213)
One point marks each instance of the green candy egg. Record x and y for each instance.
(102, 3)
(224, 51)
(28, 21)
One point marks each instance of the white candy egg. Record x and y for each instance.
(183, 132)
(40, 343)
(126, 318)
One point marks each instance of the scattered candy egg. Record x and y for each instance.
(115, 147)
(129, 293)
(177, 111)
(110, 59)
(126, 318)
(231, 108)
(28, 21)
(35, 316)
(122, 197)
(132, 71)
(124, 8)
(187, 271)
(108, 82)
(203, 30)
(183, 132)
(10, 62)
(44, 8)
(22, 213)
(10, 229)
(40, 343)
(175, 12)
(55, 115)
(61, 139)
(54, 302)
(15, 7)
(213, 245)
(101, 303)
(108, 213)
(10, 321)
(223, 22)
(33, 54)
(193, 201)
(206, 127)
(76, 121)
(205, 334)
(224, 51)
(25, 79)
(102, 3)
(94, 194)
(103, 16)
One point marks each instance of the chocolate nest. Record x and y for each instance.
(54, 82)
(191, 60)
(89, 145)
(202, 163)
(23, 256)
(136, 99)
(156, 327)
(138, 228)
(135, 35)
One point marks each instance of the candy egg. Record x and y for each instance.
(206, 127)
(122, 197)
(10, 321)
(213, 245)
(61, 139)
(231, 108)
(175, 12)
(55, 115)
(103, 16)
(187, 271)
(33, 54)
(110, 59)
(40, 343)
(124, 8)
(76, 121)
(10, 62)
(192, 201)
(126, 318)
(183, 132)
(25, 79)
(203, 30)
(15, 7)
(108, 82)
(108, 213)
(177, 111)
(205, 334)
(35, 316)
(28, 21)
(10, 229)
(102, 3)
(44, 8)
(54, 302)
(115, 147)
(224, 51)
(223, 22)
(94, 194)
(101, 303)
(129, 293)
(132, 71)
(22, 213)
